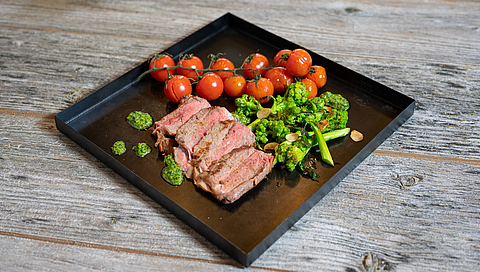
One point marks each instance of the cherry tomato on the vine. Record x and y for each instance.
(161, 61)
(281, 57)
(260, 88)
(223, 64)
(280, 77)
(210, 86)
(311, 87)
(299, 62)
(235, 85)
(318, 75)
(177, 87)
(190, 61)
(255, 61)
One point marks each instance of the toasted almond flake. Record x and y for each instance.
(263, 113)
(271, 146)
(322, 124)
(357, 136)
(328, 108)
(292, 137)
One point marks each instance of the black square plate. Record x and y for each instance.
(246, 228)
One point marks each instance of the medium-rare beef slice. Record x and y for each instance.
(169, 124)
(190, 133)
(220, 139)
(235, 173)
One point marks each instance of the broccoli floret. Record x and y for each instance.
(278, 130)
(315, 104)
(247, 105)
(242, 119)
(297, 92)
(336, 101)
(261, 131)
(278, 105)
(337, 119)
(292, 154)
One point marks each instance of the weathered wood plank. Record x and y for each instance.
(53, 188)
(27, 254)
(445, 123)
(435, 31)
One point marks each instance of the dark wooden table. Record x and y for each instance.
(413, 205)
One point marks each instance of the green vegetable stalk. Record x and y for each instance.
(324, 152)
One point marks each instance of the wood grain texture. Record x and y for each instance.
(426, 31)
(413, 205)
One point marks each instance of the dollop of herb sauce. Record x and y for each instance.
(142, 149)
(118, 148)
(172, 172)
(139, 120)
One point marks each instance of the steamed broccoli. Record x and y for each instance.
(336, 101)
(247, 105)
(297, 92)
(292, 154)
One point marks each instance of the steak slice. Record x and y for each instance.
(169, 124)
(235, 173)
(220, 139)
(190, 133)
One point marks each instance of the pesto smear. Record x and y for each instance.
(172, 173)
(139, 120)
(118, 148)
(142, 149)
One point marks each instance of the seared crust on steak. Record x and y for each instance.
(170, 123)
(235, 173)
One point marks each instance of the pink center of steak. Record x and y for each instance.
(190, 133)
(219, 140)
(235, 173)
(189, 106)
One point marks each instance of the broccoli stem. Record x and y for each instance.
(252, 125)
(334, 134)
(324, 152)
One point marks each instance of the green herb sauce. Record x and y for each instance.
(172, 172)
(142, 149)
(139, 120)
(118, 148)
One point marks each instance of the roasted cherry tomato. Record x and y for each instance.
(177, 87)
(280, 78)
(161, 61)
(260, 88)
(299, 62)
(223, 64)
(235, 85)
(281, 57)
(255, 61)
(311, 87)
(210, 86)
(318, 75)
(190, 61)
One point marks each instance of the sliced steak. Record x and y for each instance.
(220, 139)
(235, 173)
(190, 133)
(169, 124)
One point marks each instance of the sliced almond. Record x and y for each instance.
(357, 136)
(322, 124)
(263, 113)
(271, 146)
(292, 137)
(327, 108)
